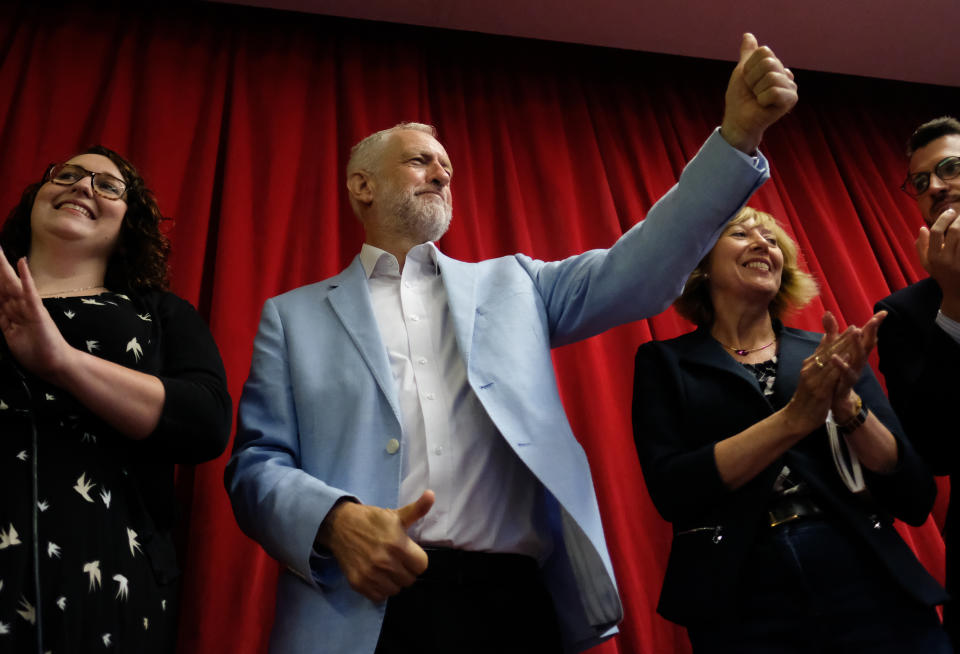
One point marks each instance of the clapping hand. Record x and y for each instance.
(30, 333)
(939, 250)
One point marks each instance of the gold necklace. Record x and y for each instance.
(70, 290)
(743, 352)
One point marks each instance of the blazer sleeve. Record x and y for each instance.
(680, 472)
(909, 491)
(194, 424)
(921, 374)
(275, 502)
(645, 270)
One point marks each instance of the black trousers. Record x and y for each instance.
(472, 602)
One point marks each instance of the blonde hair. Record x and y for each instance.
(797, 287)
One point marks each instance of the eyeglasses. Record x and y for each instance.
(104, 184)
(918, 183)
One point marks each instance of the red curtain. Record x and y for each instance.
(241, 121)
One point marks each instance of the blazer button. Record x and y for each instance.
(393, 445)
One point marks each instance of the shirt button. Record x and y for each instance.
(438, 450)
(392, 446)
(414, 317)
(430, 396)
(422, 361)
(407, 284)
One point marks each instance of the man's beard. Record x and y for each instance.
(420, 215)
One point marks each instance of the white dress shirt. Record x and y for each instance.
(486, 498)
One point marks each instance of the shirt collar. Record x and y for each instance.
(380, 262)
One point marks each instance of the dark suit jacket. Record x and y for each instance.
(688, 395)
(920, 362)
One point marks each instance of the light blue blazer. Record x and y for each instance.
(319, 407)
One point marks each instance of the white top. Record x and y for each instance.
(486, 498)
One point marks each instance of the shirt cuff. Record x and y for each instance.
(758, 161)
(949, 325)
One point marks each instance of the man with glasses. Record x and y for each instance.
(919, 341)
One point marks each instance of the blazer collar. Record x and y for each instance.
(349, 296)
(460, 283)
(704, 350)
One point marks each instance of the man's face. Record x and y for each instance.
(941, 195)
(413, 185)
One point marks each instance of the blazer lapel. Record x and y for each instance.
(460, 282)
(350, 298)
(793, 351)
(705, 351)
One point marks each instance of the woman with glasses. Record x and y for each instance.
(778, 459)
(106, 381)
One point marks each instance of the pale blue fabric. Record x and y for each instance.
(318, 409)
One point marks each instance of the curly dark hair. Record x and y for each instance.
(139, 260)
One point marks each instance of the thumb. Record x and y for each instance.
(747, 45)
(923, 246)
(830, 326)
(412, 512)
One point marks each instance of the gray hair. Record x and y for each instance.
(365, 154)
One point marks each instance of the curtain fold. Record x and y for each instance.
(241, 121)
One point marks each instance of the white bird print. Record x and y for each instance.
(146, 317)
(123, 590)
(88, 438)
(53, 550)
(83, 487)
(9, 538)
(132, 541)
(43, 505)
(22, 455)
(106, 640)
(146, 623)
(163, 604)
(4, 628)
(123, 296)
(93, 569)
(1, 587)
(90, 300)
(69, 314)
(50, 397)
(135, 348)
(3, 406)
(93, 345)
(62, 603)
(27, 612)
(105, 495)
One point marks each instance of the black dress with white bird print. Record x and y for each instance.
(106, 563)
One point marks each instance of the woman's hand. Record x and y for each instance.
(849, 353)
(31, 334)
(820, 376)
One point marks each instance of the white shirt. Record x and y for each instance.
(949, 325)
(486, 498)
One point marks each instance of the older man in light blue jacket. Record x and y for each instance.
(411, 371)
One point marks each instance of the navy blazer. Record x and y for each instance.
(920, 362)
(688, 395)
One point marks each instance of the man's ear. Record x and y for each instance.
(360, 186)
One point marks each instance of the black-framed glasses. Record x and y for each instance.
(917, 184)
(104, 184)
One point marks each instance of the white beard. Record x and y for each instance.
(422, 216)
